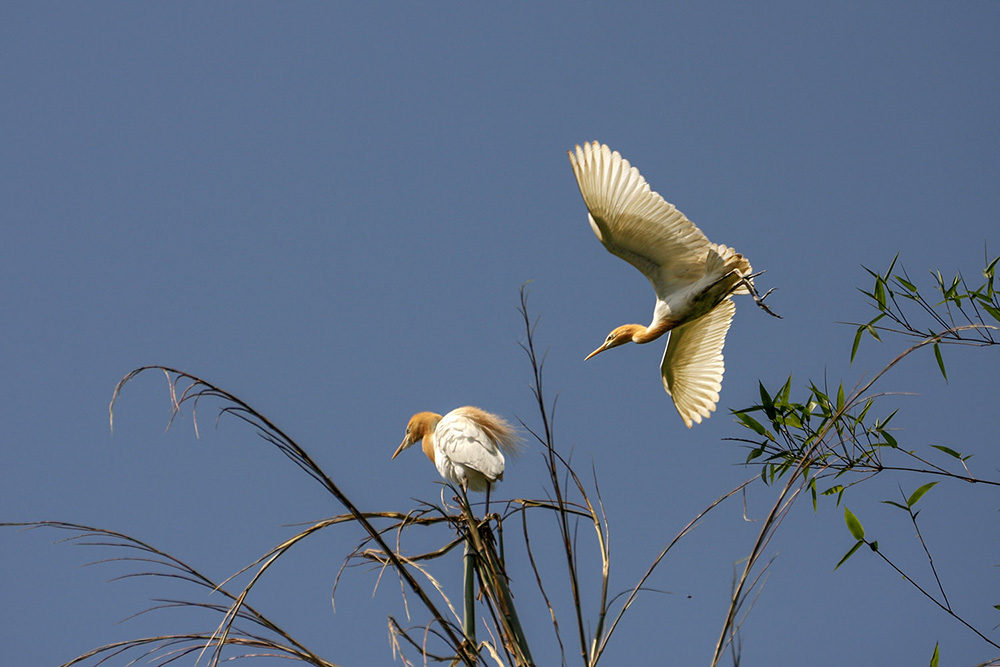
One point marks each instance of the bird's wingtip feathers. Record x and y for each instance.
(693, 364)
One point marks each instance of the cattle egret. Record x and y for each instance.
(466, 445)
(693, 278)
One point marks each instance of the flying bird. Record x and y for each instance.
(693, 278)
(466, 445)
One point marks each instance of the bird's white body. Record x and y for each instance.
(693, 278)
(465, 454)
(467, 445)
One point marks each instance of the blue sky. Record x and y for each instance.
(328, 209)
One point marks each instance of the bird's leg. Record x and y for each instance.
(487, 530)
(757, 298)
(486, 514)
(464, 484)
(503, 561)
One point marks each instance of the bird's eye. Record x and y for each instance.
(407, 430)
(610, 338)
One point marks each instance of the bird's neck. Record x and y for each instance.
(428, 446)
(422, 426)
(643, 334)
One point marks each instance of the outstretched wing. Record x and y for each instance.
(636, 223)
(692, 365)
(463, 442)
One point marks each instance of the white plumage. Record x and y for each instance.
(466, 445)
(693, 278)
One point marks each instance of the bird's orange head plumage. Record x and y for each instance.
(619, 336)
(418, 428)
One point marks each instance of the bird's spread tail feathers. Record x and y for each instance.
(723, 260)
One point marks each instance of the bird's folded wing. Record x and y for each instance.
(464, 442)
(692, 365)
(636, 223)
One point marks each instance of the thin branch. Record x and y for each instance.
(271, 433)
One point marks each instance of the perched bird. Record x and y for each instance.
(466, 445)
(693, 279)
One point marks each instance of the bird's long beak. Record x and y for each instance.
(596, 352)
(406, 443)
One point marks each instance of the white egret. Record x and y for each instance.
(466, 445)
(693, 278)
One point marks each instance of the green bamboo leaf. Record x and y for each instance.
(907, 284)
(895, 504)
(935, 656)
(766, 402)
(853, 525)
(953, 290)
(806, 412)
(786, 390)
(838, 490)
(995, 312)
(948, 450)
(864, 411)
(850, 553)
(857, 341)
(792, 420)
(751, 423)
(880, 293)
(940, 360)
(919, 493)
(988, 272)
(892, 265)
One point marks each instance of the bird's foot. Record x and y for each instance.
(757, 298)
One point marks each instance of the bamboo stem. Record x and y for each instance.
(469, 615)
